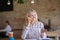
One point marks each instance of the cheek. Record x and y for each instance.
(33, 19)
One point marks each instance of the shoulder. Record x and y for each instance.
(25, 28)
(41, 23)
(8, 26)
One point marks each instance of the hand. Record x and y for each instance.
(29, 20)
(43, 30)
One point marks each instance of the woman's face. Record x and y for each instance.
(32, 16)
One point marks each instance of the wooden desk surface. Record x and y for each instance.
(53, 33)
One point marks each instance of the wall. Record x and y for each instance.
(46, 9)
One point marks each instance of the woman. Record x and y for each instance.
(34, 29)
(6, 30)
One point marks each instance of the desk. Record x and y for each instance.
(53, 33)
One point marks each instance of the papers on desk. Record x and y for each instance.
(40, 39)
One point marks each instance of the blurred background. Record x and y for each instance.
(15, 11)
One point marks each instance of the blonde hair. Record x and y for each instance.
(34, 12)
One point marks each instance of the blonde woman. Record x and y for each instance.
(34, 29)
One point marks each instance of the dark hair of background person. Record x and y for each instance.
(7, 22)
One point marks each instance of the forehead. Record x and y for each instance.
(32, 13)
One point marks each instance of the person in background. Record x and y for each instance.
(34, 29)
(6, 30)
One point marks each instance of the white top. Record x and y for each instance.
(33, 31)
(8, 29)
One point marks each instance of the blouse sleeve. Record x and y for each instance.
(8, 28)
(25, 32)
(41, 25)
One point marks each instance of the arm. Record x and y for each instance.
(43, 30)
(2, 30)
(24, 34)
(6, 29)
